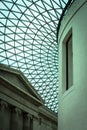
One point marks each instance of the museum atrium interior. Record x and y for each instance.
(28, 42)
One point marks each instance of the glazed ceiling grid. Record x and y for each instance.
(28, 43)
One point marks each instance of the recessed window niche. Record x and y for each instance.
(67, 61)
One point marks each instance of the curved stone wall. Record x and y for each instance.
(72, 100)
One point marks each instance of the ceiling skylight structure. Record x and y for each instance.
(28, 42)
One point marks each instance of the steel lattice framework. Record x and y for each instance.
(28, 42)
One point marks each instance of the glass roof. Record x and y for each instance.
(28, 43)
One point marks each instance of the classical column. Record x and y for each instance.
(31, 122)
(4, 116)
(16, 119)
(26, 121)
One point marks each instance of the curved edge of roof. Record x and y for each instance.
(69, 3)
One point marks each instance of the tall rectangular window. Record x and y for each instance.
(69, 63)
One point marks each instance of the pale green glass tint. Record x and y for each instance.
(28, 43)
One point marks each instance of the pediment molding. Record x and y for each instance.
(19, 83)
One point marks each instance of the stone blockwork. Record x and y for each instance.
(72, 39)
(21, 108)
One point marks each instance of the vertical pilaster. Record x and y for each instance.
(26, 121)
(31, 123)
(16, 119)
(4, 116)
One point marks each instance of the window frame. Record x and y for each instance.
(67, 44)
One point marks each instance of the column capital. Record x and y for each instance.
(17, 111)
(3, 105)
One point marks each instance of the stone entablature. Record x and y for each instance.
(21, 107)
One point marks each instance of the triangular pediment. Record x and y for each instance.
(17, 79)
